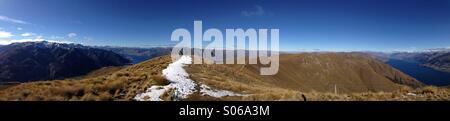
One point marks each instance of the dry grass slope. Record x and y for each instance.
(310, 76)
(321, 72)
(313, 76)
(121, 84)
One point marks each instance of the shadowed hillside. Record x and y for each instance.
(33, 61)
(441, 62)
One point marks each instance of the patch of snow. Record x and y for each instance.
(153, 93)
(179, 80)
(411, 94)
(206, 90)
(181, 84)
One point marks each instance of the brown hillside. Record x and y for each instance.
(310, 76)
(350, 72)
(110, 84)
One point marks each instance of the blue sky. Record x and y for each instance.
(305, 25)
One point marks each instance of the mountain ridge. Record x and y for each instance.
(350, 72)
(438, 59)
(33, 61)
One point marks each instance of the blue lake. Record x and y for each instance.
(137, 59)
(426, 75)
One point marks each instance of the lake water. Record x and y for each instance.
(137, 59)
(426, 75)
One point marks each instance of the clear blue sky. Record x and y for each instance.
(333, 25)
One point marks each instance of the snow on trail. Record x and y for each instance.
(206, 90)
(180, 83)
(153, 93)
(179, 80)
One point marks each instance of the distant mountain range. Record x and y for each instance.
(137, 55)
(436, 58)
(440, 61)
(32, 61)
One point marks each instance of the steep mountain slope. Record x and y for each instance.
(32, 61)
(348, 72)
(440, 62)
(123, 84)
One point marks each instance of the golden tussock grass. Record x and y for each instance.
(313, 76)
(366, 82)
(121, 84)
